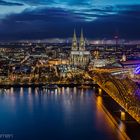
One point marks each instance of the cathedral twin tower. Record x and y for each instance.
(81, 43)
(79, 56)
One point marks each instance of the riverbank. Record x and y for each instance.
(43, 84)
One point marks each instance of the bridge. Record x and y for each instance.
(123, 90)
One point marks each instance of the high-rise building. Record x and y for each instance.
(79, 56)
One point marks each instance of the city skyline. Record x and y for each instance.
(70, 69)
(21, 19)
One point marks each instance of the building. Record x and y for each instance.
(55, 62)
(78, 55)
(131, 63)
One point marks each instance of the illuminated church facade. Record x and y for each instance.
(79, 56)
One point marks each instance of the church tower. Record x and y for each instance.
(74, 42)
(82, 42)
(79, 56)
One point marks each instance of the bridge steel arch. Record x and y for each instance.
(120, 94)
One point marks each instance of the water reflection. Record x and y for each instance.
(55, 91)
(75, 90)
(29, 90)
(122, 126)
(11, 90)
(21, 92)
(63, 90)
(59, 90)
(104, 117)
(99, 111)
(30, 99)
(64, 109)
(8, 91)
(36, 91)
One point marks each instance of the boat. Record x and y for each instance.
(51, 87)
(84, 87)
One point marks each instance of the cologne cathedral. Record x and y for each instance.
(79, 56)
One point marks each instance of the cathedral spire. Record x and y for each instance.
(74, 42)
(82, 36)
(82, 41)
(74, 36)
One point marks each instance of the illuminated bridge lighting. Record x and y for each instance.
(137, 70)
(118, 90)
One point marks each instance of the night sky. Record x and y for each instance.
(40, 19)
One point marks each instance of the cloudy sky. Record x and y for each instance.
(40, 19)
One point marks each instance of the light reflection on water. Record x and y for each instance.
(71, 111)
(30, 90)
(103, 115)
(21, 92)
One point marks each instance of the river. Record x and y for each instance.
(63, 114)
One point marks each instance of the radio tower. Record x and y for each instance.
(116, 37)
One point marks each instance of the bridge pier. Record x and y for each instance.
(123, 115)
(98, 90)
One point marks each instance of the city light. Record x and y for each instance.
(137, 70)
(70, 69)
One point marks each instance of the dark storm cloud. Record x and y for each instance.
(39, 23)
(125, 23)
(45, 15)
(5, 3)
(57, 22)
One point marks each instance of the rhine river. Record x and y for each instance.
(62, 114)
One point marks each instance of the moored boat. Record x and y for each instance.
(51, 87)
(84, 87)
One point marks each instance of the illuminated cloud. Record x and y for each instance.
(6, 3)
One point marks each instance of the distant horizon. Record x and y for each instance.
(86, 36)
(69, 41)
